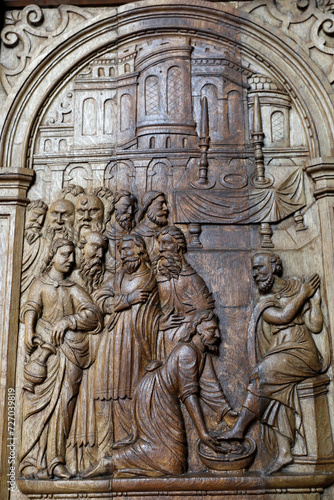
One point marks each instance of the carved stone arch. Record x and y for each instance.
(78, 174)
(120, 176)
(43, 183)
(159, 176)
(285, 63)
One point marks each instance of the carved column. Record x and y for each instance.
(14, 183)
(321, 170)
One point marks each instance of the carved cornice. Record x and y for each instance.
(14, 183)
(321, 170)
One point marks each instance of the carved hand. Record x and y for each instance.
(58, 331)
(138, 296)
(310, 286)
(170, 320)
(29, 341)
(210, 441)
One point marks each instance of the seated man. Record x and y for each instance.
(158, 445)
(57, 317)
(281, 333)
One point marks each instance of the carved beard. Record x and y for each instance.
(213, 348)
(131, 264)
(88, 226)
(168, 264)
(61, 231)
(266, 284)
(32, 232)
(159, 218)
(92, 273)
(125, 221)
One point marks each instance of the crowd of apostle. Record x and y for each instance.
(119, 331)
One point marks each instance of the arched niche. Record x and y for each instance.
(68, 54)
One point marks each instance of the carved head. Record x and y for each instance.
(206, 325)
(154, 207)
(60, 220)
(89, 211)
(60, 256)
(172, 245)
(125, 207)
(35, 216)
(266, 265)
(133, 252)
(93, 247)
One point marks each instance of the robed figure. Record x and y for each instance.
(128, 342)
(58, 316)
(283, 352)
(158, 445)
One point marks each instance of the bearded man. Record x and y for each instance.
(35, 245)
(182, 291)
(152, 217)
(128, 343)
(89, 211)
(280, 332)
(124, 208)
(158, 444)
(60, 220)
(57, 317)
(91, 266)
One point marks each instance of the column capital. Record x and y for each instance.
(14, 183)
(321, 170)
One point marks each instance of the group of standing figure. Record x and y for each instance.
(127, 334)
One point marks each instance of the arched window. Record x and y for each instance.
(152, 104)
(175, 91)
(234, 111)
(277, 126)
(109, 116)
(89, 117)
(126, 112)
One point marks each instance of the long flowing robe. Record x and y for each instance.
(32, 261)
(49, 410)
(286, 355)
(183, 296)
(159, 440)
(128, 342)
(127, 345)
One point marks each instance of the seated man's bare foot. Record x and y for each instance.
(234, 433)
(103, 468)
(62, 472)
(280, 462)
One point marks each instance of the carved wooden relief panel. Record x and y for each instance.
(175, 312)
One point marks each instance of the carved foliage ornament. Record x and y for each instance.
(29, 31)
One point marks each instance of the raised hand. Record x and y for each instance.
(310, 286)
(138, 297)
